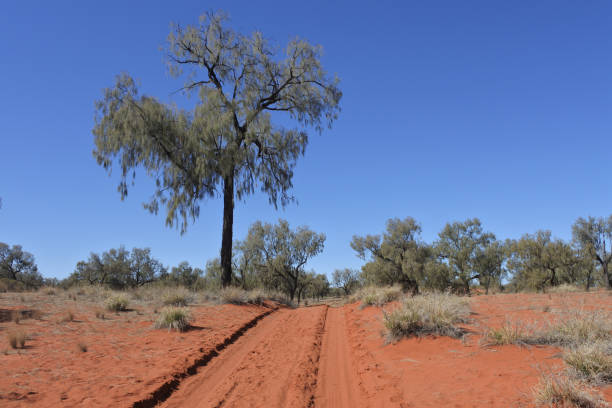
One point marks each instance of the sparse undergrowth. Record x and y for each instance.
(431, 314)
(118, 303)
(173, 318)
(565, 392)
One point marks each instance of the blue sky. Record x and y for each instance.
(489, 109)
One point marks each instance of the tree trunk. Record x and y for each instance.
(228, 224)
(606, 274)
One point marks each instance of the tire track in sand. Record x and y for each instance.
(275, 365)
(338, 382)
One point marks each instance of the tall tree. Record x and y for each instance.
(461, 245)
(228, 144)
(594, 237)
(346, 279)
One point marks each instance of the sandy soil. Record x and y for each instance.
(254, 356)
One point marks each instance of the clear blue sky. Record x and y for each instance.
(495, 109)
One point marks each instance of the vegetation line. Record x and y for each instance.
(163, 392)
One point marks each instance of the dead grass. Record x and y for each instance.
(176, 298)
(17, 338)
(431, 314)
(563, 392)
(509, 333)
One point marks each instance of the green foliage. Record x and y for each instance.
(279, 254)
(184, 275)
(18, 269)
(593, 236)
(538, 261)
(119, 269)
(398, 257)
(463, 246)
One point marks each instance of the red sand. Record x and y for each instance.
(249, 356)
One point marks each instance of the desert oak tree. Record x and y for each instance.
(228, 144)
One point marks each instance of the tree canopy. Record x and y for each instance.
(230, 143)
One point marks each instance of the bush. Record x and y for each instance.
(17, 339)
(378, 296)
(173, 318)
(561, 391)
(117, 303)
(432, 314)
(592, 362)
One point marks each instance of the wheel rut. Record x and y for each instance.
(275, 365)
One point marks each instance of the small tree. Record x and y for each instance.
(461, 245)
(228, 144)
(346, 279)
(594, 237)
(19, 265)
(283, 253)
(397, 257)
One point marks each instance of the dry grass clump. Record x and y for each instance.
(82, 346)
(176, 298)
(509, 333)
(17, 338)
(117, 303)
(591, 362)
(564, 392)
(431, 314)
(580, 328)
(377, 296)
(100, 314)
(570, 331)
(173, 318)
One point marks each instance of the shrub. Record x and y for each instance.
(173, 318)
(17, 339)
(560, 391)
(232, 295)
(47, 290)
(592, 361)
(432, 314)
(100, 314)
(118, 303)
